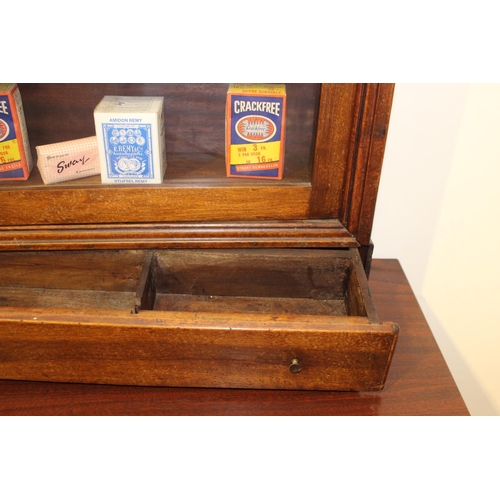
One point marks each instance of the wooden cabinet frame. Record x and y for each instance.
(333, 209)
(202, 280)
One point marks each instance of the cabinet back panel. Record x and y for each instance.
(194, 113)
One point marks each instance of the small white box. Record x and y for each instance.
(131, 138)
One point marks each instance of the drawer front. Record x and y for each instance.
(191, 350)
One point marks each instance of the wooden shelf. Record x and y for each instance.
(183, 169)
(195, 188)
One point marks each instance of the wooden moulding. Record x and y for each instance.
(199, 318)
(276, 233)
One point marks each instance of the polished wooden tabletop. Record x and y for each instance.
(419, 381)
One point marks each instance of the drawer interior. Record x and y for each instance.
(242, 281)
(265, 281)
(82, 280)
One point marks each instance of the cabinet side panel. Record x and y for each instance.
(365, 160)
(334, 131)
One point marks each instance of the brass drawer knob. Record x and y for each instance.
(295, 366)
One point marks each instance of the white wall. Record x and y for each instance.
(438, 212)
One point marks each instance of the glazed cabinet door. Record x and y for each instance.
(335, 135)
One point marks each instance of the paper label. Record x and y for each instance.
(129, 151)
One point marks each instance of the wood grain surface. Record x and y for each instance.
(419, 381)
(226, 332)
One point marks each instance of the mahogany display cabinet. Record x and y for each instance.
(203, 280)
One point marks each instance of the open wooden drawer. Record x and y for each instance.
(246, 318)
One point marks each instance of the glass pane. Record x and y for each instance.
(194, 124)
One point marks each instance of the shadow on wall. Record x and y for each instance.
(474, 396)
(422, 137)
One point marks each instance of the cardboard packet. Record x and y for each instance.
(16, 161)
(255, 130)
(69, 160)
(131, 138)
